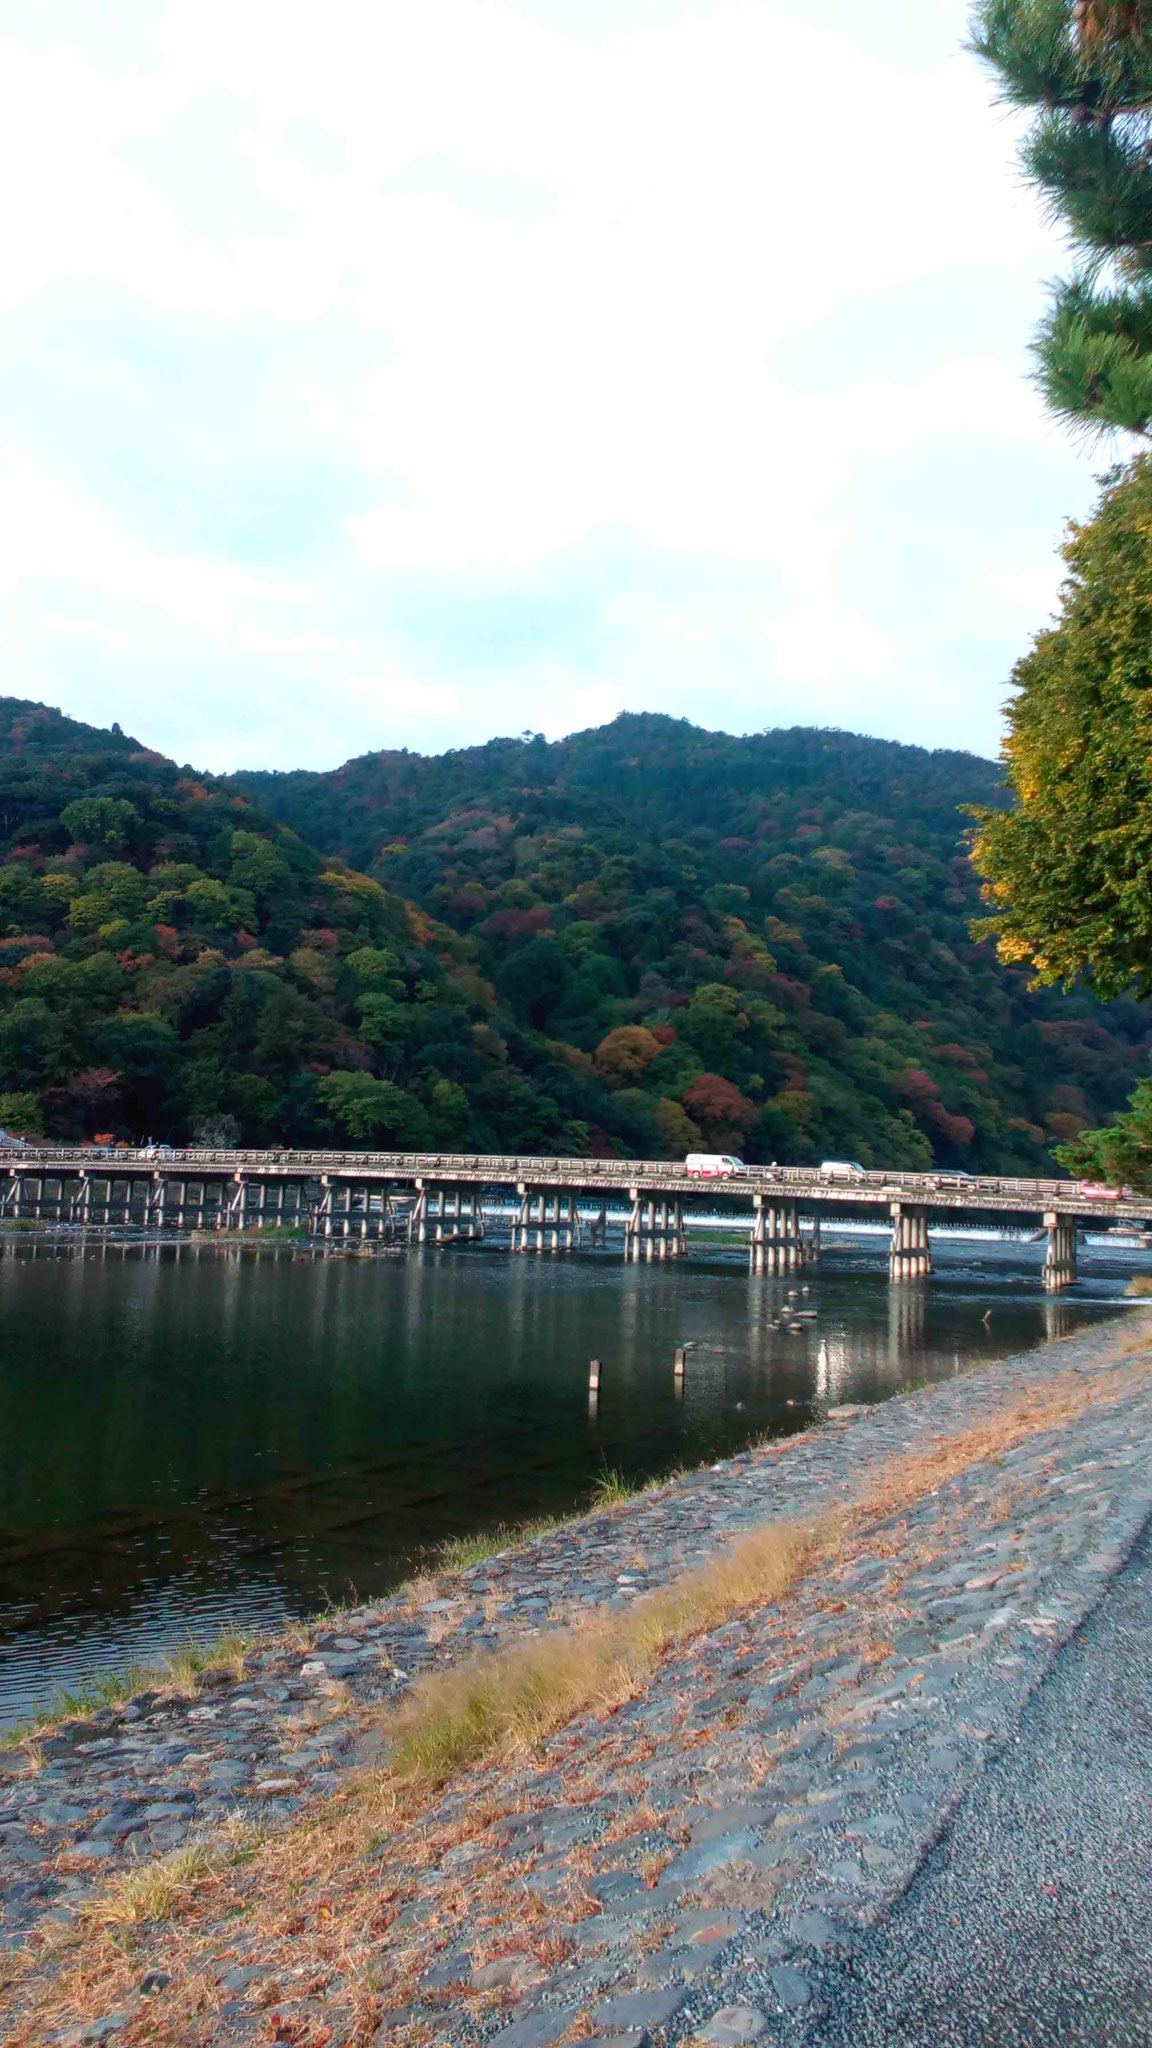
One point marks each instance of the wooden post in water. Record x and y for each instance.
(632, 1226)
(756, 1241)
(593, 1385)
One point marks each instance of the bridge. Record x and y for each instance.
(450, 1197)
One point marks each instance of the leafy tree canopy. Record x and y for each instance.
(1086, 71)
(1120, 1154)
(1068, 869)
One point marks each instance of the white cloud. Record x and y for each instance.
(110, 637)
(47, 532)
(819, 642)
(1034, 589)
(401, 696)
(574, 710)
(543, 281)
(263, 640)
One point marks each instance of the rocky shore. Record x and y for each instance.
(684, 1867)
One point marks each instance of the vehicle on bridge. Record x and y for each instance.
(842, 1169)
(707, 1165)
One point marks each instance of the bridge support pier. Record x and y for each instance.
(445, 1215)
(1060, 1257)
(655, 1228)
(777, 1245)
(548, 1220)
(910, 1257)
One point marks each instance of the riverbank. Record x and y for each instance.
(233, 1437)
(691, 1840)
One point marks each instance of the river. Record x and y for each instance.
(196, 1435)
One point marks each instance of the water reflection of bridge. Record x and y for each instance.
(538, 1205)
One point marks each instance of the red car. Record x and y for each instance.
(1100, 1193)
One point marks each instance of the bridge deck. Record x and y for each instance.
(941, 1193)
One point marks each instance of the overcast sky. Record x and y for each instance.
(402, 372)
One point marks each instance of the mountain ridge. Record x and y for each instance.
(640, 939)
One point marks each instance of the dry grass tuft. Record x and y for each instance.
(154, 1893)
(499, 1705)
(184, 1666)
(611, 1489)
(178, 1671)
(458, 1553)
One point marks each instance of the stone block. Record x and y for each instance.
(539, 2030)
(734, 2025)
(812, 1929)
(640, 2009)
(712, 1855)
(791, 1986)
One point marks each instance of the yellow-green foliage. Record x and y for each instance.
(1068, 870)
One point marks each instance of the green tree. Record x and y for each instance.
(1120, 1154)
(257, 867)
(111, 894)
(209, 903)
(678, 1133)
(101, 821)
(1086, 70)
(448, 1109)
(1069, 868)
(20, 1110)
(376, 970)
(375, 1113)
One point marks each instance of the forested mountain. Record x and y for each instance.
(632, 941)
(763, 941)
(173, 959)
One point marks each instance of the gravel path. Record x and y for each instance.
(1032, 1921)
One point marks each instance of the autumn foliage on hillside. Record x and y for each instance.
(760, 944)
(641, 941)
(173, 961)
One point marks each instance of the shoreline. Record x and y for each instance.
(111, 1684)
(276, 1752)
(87, 1592)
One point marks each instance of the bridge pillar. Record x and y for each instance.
(777, 1245)
(1060, 1257)
(910, 1257)
(445, 1214)
(548, 1220)
(654, 1228)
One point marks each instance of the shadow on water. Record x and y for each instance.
(193, 1435)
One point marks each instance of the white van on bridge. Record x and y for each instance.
(707, 1165)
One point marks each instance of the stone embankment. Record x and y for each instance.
(681, 1868)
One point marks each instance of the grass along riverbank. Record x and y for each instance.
(181, 1669)
(458, 1747)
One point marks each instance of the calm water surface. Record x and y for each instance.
(192, 1436)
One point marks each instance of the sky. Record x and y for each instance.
(376, 374)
